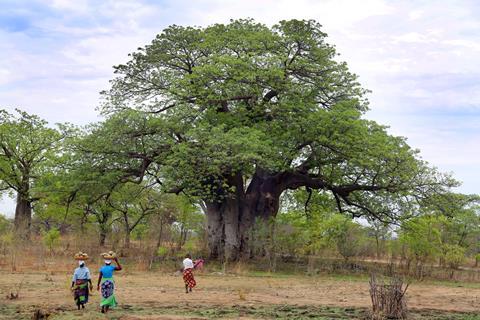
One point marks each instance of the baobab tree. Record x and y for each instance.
(236, 114)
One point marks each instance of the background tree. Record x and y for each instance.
(421, 238)
(343, 233)
(27, 150)
(133, 203)
(81, 183)
(4, 224)
(160, 224)
(188, 219)
(381, 232)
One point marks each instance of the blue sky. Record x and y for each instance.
(420, 59)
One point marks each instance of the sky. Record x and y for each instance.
(420, 59)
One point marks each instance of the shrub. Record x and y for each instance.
(162, 251)
(51, 238)
(454, 256)
(5, 224)
(7, 239)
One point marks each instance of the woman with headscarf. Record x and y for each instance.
(80, 284)
(107, 284)
(188, 278)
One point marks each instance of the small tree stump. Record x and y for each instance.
(40, 314)
(388, 298)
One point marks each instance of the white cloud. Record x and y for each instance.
(4, 76)
(414, 37)
(69, 5)
(468, 44)
(415, 14)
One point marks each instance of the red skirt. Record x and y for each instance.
(188, 278)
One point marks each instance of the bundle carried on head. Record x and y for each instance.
(81, 256)
(108, 255)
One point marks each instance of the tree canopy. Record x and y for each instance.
(235, 114)
(28, 147)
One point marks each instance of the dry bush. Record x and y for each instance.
(240, 268)
(15, 292)
(242, 294)
(41, 314)
(388, 298)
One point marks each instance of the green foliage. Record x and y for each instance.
(200, 105)
(28, 149)
(422, 238)
(188, 221)
(381, 233)
(458, 216)
(202, 113)
(190, 246)
(330, 232)
(162, 251)
(292, 234)
(448, 229)
(5, 224)
(265, 239)
(7, 239)
(51, 238)
(342, 233)
(454, 255)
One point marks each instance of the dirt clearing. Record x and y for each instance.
(160, 296)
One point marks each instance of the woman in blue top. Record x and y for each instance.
(80, 281)
(105, 280)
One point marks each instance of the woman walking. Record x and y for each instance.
(106, 282)
(188, 273)
(80, 281)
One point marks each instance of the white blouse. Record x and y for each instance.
(187, 263)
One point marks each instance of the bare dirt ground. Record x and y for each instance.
(160, 296)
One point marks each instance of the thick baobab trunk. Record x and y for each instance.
(224, 223)
(215, 230)
(232, 239)
(231, 217)
(23, 216)
(229, 224)
(230, 220)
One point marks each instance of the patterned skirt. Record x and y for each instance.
(188, 278)
(108, 293)
(80, 293)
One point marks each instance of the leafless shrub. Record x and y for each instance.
(15, 292)
(388, 297)
(41, 314)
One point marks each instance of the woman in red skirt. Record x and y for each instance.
(188, 273)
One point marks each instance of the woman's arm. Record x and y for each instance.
(89, 278)
(74, 278)
(118, 267)
(99, 280)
